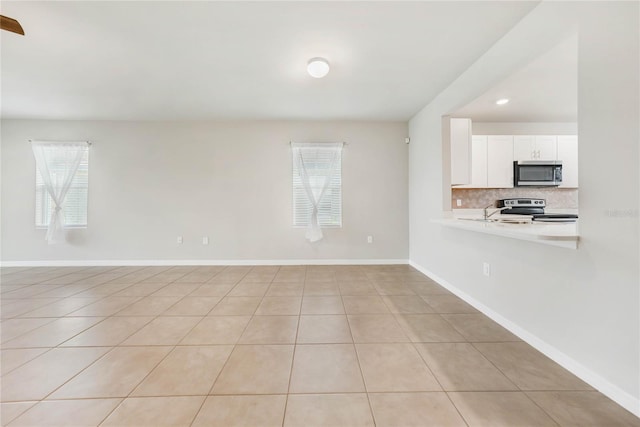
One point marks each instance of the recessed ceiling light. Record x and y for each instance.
(318, 67)
(502, 101)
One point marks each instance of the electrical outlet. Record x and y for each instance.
(179, 240)
(486, 269)
(369, 239)
(458, 202)
(205, 240)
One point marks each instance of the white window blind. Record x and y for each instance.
(75, 202)
(318, 164)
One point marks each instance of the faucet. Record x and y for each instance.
(487, 215)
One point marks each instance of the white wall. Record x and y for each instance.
(525, 128)
(150, 182)
(582, 306)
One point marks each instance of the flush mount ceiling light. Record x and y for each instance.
(318, 67)
(502, 101)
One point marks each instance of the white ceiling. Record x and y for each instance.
(545, 90)
(240, 60)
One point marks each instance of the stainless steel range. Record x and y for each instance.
(522, 206)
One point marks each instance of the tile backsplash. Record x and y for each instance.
(476, 198)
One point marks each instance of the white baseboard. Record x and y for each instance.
(615, 393)
(156, 262)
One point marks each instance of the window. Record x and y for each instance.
(321, 162)
(75, 201)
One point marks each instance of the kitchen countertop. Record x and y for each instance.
(563, 234)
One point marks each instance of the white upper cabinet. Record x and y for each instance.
(478, 162)
(523, 147)
(460, 139)
(492, 164)
(492, 157)
(538, 147)
(546, 147)
(568, 153)
(499, 161)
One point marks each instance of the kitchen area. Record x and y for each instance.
(514, 155)
(519, 186)
(569, 289)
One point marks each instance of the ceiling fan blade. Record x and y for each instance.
(10, 24)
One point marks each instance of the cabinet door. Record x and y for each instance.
(545, 147)
(478, 162)
(460, 134)
(568, 153)
(523, 147)
(500, 161)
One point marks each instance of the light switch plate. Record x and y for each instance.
(486, 269)
(205, 240)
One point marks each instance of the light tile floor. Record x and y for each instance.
(270, 346)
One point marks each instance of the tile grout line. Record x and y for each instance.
(544, 410)
(62, 399)
(440, 384)
(282, 343)
(520, 390)
(136, 386)
(48, 349)
(30, 330)
(366, 391)
(225, 362)
(495, 366)
(18, 316)
(364, 383)
(62, 275)
(295, 346)
(151, 370)
(173, 347)
(63, 341)
(117, 405)
(72, 283)
(112, 348)
(115, 314)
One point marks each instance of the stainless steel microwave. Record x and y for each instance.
(537, 173)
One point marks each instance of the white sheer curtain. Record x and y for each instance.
(67, 157)
(304, 153)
